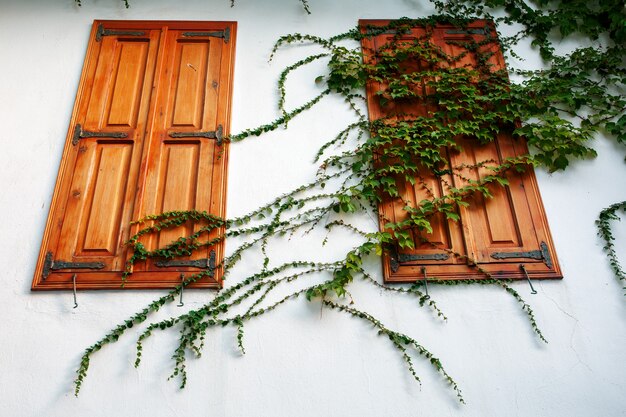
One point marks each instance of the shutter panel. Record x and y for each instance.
(499, 233)
(504, 222)
(446, 235)
(188, 168)
(119, 163)
(93, 202)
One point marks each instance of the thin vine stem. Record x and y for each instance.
(370, 161)
(603, 224)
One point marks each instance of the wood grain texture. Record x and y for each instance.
(144, 87)
(110, 181)
(513, 221)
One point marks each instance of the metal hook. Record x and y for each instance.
(426, 297)
(182, 287)
(532, 289)
(74, 288)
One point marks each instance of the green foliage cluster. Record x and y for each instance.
(604, 231)
(578, 94)
(562, 107)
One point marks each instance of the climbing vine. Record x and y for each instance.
(605, 232)
(563, 107)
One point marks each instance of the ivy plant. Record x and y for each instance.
(604, 231)
(562, 108)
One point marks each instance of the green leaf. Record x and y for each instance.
(560, 163)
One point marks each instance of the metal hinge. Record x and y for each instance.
(543, 254)
(54, 265)
(218, 134)
(473, 31)
(79, 134)
(110, 32)
(206, 263)
(225, 34)
(373, 31)
(403, 257)
(397, 259)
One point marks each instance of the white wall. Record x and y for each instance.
(300, 360)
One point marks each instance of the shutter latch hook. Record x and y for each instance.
(74, 289)
(425, 279)
(532, 289)
(182, 287)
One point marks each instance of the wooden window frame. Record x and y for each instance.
(522, 194)
(153, 51)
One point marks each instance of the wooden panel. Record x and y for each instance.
(498, 212)
(446, 236)
(94, 195)
(127, 83)
(99, 84)
(95, 209)
(190, 83)
(179, 176)
(142, 86)
(513, 221)
(214, 87)
(76, 202)
(118, 83)
(493, 220)
(187, 172)
(109, 185)
(428, 187)
(501, 223)
(507, 223)
(379, 108)
(191, 107)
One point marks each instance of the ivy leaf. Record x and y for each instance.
(453, 216)
(560, 163)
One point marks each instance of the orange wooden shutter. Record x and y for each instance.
(500, 233)
(142, 83)
(187, 158)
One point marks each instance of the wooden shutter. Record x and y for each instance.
(500, 233)
(137, 145)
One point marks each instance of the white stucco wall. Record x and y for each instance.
(300, 360)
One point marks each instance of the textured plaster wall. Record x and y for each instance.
(300, 360)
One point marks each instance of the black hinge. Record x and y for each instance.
(54, 265)
(225, 34)
(403, 257)
(397, 259)
(218, 134)
(109, 32)
(542, 254)
(473, 31)
(79, 134)
(375, 31)
(206, 263)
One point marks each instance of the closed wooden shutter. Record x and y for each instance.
(145, 137)
(499, 233)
